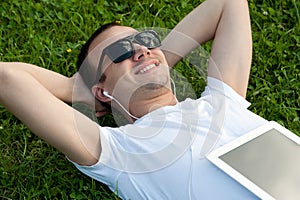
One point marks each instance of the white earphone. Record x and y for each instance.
(105, 93)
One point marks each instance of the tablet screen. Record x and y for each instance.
(265, 160)
(271, 161)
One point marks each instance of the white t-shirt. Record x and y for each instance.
(162, 155)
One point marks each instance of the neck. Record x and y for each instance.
(143, 106)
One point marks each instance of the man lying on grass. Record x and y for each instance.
(161, 153)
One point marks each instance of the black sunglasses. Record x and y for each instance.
(124, 49)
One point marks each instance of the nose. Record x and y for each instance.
(140, 52)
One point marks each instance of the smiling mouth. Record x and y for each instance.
(142, 69)
(147, 68)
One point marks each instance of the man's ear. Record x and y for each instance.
(97, 91)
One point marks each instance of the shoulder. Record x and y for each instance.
(216, 88)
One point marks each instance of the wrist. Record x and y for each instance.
(68, 93)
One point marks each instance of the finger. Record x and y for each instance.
(101, 113)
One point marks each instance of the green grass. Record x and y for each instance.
(40, 32)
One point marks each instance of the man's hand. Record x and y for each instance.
(81, 94)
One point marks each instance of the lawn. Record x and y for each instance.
(51, 33)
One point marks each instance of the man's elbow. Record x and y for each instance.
(4, 73)
(7, 74)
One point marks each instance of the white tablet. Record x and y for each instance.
(265, 160)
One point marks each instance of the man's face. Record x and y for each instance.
(143, 74)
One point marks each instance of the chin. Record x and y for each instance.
(153, 86)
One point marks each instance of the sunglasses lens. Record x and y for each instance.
(148, 39)
(124, 56)
(123, 49)
(120, 51)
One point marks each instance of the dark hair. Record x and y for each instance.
(88, 74)
(85, 48)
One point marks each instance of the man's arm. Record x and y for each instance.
(33, 95)
(228, 23)
(57, 84)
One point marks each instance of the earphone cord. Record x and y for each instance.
(174, 87)
(124, 108)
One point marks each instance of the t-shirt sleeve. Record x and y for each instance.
(100, 171)
(215, 86)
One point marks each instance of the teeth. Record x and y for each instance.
(147, 68)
